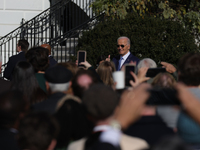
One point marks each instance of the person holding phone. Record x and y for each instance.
(125, 56)
(188, 73)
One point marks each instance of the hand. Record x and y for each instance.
(131, 105)
(142, 74)
(86, 64)
(108, 59)
(190, 102)
(132, 83)
(169, 67)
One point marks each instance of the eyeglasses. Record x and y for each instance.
(122, 46)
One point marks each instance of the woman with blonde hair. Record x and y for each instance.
(104, 71)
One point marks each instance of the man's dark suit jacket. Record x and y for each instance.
(8, 140)
(13, 60)
(149, 128)
(50, 104)
(52, 61)
(130, 58)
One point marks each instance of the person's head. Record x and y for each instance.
(38, 58)
(38, 131)
(47, 46)
(164, 80)
(58, 78)
(123, 45)
(24, 80)
(72, 120)
(189, 69)
(12, 108)
(23, 71)
(22, 45)
(70, 66)
(146, 62)
(82, 81)
(100, 102)
(104, 71)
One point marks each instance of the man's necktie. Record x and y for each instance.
(119, 66)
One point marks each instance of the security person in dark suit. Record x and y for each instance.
(22, 47)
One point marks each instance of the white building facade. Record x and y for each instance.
(12, 12)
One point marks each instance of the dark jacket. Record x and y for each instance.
(149, 128)
(130, 58)
(52, 61)
(13, 60)
(50, 104)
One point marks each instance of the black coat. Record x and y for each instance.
(50, 104)
(8, 140)
(130, 58)
(149, 128)
(13, 60)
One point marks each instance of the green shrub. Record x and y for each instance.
(160, 40)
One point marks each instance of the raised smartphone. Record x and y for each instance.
(128, 76)
(81, 57)
(152, 72)
(163, 96)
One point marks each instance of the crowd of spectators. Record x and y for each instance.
(46, 105)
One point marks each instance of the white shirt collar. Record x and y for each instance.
(13, 130)
(125, 56)
(101, 128)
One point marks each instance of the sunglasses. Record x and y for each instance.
(122, 46)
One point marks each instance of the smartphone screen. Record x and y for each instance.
(128, 76)
(81, 57)
(152, 72)
(163, 96)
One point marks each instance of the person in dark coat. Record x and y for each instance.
(52, 61)
(22, 47)
(58, 80)
(12, 109)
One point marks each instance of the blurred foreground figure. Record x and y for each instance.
(57, 84)
(12, 109)
(82, 81)
(189, 73)
(100, 102)
(38, 131)
(25, 81)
